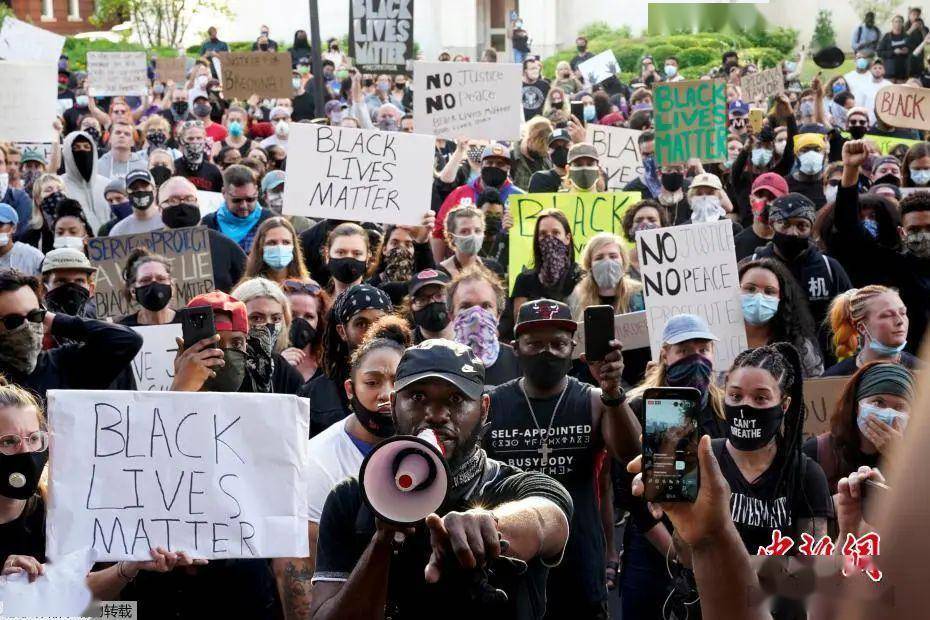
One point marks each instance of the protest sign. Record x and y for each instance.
(153, 366)
(359, 174)
(630, 329)
(820, 397)
(117, 73)
(690, 121)
(762, 85)
(692, 270)
(209, 202)
(474, 99)
(588, 214)
(904, 106)
(598, 68)
(618, 153)
(381, 35)
(60, 591)
(173, 69)
(24, 42)
(218, 475)
(28, 110)
(187, 249)
(886, 144)
(266, 74)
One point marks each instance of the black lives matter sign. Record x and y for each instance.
(381, 35)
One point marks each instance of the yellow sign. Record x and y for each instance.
(588, 214)
(884, 143)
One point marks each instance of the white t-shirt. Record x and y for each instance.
(132, 225)
(333, 458)
(23, 257)
(868, 93)
(858, 82)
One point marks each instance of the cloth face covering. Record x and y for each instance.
(20, 347)
(476, 328)
(554, 258)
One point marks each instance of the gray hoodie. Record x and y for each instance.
(88, 193)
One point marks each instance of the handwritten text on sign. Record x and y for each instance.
(618, 153)
(475, 99)
(153, 366)
(187, 250)
(821, 395)
(690, 121)
(763, 84)
(904, 106)
(117, 73)
(358, 174)
(588, 214)
(692, 270)
(216, 475)
(266, 74)
(381, 35)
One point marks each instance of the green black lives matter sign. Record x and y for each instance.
(381, 35)
(690, 121)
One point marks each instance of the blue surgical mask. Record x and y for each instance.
(886, 415)
(838, 88)
(920, 177)
(871, 228)
(758, 309)
(883, 349)
(589, 113)
(235, 129)
(670, 70)
(811, 162)
(862, 64)
(278, 256)
(761, 157)
(81, 101)
(791, 66)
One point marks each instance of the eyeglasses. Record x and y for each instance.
(36, 441)
(296, 286)
(243, 199)
(421, 301)
(177, 200)
(13, 321)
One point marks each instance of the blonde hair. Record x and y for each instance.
(461, 212)
(247, 290)
(848, 310)
(14, 396)
(536, 133)
(38, 186)
(156, 121)
(656, 376)
(586, 292)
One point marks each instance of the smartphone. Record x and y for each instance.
(577, 108)
(598, 332)
(874, 494)
(670, 443)
(756, 118)
(196, 324)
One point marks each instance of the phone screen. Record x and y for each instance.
(670, 463)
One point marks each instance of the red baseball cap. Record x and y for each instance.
(238, 320)
(771, 181)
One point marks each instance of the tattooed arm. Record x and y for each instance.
(293, 578)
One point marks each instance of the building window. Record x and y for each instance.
(48, 10)
(74, 10)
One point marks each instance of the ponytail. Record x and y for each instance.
(846, 311)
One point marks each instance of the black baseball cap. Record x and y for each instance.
(427, 277)
(559, 134)
(438, 358)
(544, 313)
(139, 175)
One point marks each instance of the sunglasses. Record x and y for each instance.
(295, 286)
(14, 321)
(858, 123)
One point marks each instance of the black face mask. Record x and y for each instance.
(160, 174)
(672, 181)
(493, 225)
(751, 428)
(153, 296)
(493, 177)
(888, 179)
(346, 270)
(432, 318)
(181, 216)
(84, 161)
(229, 378)
(20, 473)
(94, 134)
(559, 156)
(857, 132)
(179, 108)
(545, 370)
(67, 299)
(378, 424)
(790, 246)
(142, 200)
(301, 332)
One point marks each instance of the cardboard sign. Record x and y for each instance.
(218, 475)
(904, 106)
(820, 397)
(474, 99)
(187, 249)
(153, 366)
(885, 144)
(24, 42)
(588, 214)
(692, 270)
(266, 74)
(359, 174)
(381, 35)
(618, 153)
(598, 68)
(690, 121)
(173, 69)
(762, 85)
(117, 73)
(28, 110)
(630, 329)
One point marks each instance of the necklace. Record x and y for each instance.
(544, 448)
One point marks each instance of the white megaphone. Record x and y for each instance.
(405, 478)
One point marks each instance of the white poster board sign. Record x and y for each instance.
(214, 474)
(28, 110)
(117, 73)
(363, 175)
(473, 99)
(692, 270)
(618, 154)
(630, 329)
(598, 68)
(153, 366)
(209, 202)
(25, 42)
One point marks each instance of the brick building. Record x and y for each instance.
(61, 16)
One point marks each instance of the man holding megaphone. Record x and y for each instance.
(432, 527)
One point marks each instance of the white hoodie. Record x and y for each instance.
(88, 193)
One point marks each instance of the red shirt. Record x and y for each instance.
(216, 132)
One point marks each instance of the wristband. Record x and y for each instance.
(123, 575)
(614, 401)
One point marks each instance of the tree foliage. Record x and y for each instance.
(883, 9)
(824, 35)
(156, 22)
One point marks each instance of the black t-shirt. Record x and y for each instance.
(206, 177)
(754, 507)
(347, 526)
(534, 96)
(528, 285)
(328, 402)
(812, 189)
(746, 243)
(25, 535)
(848, 366)
(132, 320)
(580, 58)
(505, 368)
(572, 448)
(545, 181)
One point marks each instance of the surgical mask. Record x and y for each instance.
(346, 270)
(278, 256)
(761, 157)
(758, 309)
(20, 473)
(589, 113)
(81, 101)
(871, 228)
(301, 333)
(811, 162)
(181, 216)
(546, 369)
(476, 328)
(468, 244)
(201, 110)
(20, 347)
(433, 317)
(752, 428)
(63, 241)
(142, 200)
(883, 349)
(918, 243)
(791, 66)
(295, 82)
(384, 86)
(69, 298)
(862, 64)
(158, 89)
(838, 88)
(230, 376)
(153, 296)
(607, 272)
(672, 181)
(282, 128)
(706, 209)
(559, 157)
(493, 177)
(670, 70)
(4, 240)
(830, 193)
(584, 178)
(235, 129)
(275, 201)
(378, 424)
(920, 177)
(886, 415)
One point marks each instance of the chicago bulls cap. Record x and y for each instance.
(544, 313)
